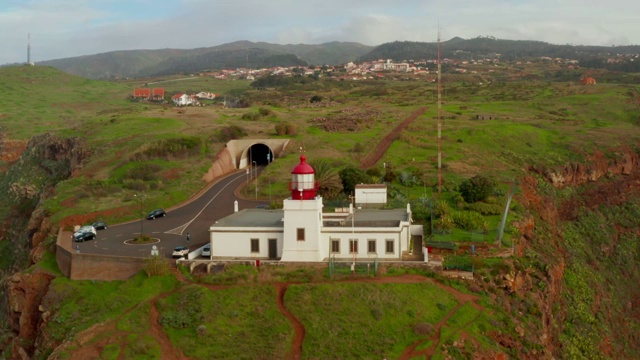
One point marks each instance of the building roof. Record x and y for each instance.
(252, 218)
(371, 218)
(303, 167)
(371, 186)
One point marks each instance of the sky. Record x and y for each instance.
(69, 28)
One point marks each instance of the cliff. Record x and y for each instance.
(45, 160)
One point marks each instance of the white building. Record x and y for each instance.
(301, 232)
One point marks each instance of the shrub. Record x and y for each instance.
(250, 116)
(477, 188)
(231, 132)
(264, 111)
(286, 128)
(468, 220)
(315, 99)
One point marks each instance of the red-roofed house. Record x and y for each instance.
(142, 93)
(158, 93)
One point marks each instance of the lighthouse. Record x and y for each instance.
(303, 185)
(303, 217)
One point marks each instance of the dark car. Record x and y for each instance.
(83, 236)
(156, 213)
(100, 225)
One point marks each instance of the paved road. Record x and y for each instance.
(193, 217)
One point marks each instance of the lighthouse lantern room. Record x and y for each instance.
(303, 185)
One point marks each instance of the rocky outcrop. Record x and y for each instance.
(618, 162)
(25, 294)
(46, 160)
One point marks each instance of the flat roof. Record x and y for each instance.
(273, 218)
(252, 218)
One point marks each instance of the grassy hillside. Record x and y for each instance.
(538, 123)
(140, 63)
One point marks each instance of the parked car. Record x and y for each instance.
(99, 225)
(156, 213)
(180, 251)
(83, 236)
(206, 250)
(86, 228)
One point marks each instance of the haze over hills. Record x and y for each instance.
(240, 54)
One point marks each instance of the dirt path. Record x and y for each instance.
(87, 348)
(167, 349)
(386, 141)
(298, 337)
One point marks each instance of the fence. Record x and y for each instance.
(346, 267)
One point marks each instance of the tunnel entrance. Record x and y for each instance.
(261, 154)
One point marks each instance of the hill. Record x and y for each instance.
(508, 50)
(240, 54)
(561, 286)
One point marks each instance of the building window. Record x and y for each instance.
(255, 245)
(371, 246)
(353, 246)
(389, 247)
(335, 246)
(300, 234)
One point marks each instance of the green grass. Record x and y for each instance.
(241, 321)
(377, 321)
(79, 304)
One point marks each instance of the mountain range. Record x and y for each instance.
(241, 54)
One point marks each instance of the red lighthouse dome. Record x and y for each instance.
(303, 185)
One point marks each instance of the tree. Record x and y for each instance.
(327, 177)
(352, 176)
(477, 188)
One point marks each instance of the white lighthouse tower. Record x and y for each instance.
(303, 217)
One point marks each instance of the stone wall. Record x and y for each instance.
(92, 266)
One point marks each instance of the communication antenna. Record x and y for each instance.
(29, 49)
(439, 118)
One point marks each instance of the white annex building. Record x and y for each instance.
(301, 232)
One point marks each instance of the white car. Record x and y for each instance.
(206, 250)
(84, 229)
(180, 251)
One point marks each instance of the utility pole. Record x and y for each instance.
(139, 197)
(439, 118)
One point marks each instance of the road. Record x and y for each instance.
(194, 217)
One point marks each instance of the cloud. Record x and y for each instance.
(65, 28)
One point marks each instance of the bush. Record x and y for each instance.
(264, 111)
(286, 128)
(468, 220)
(477, 188)
(231, 132)
(250, 116)
(315, 99)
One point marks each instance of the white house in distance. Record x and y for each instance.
(301, 232)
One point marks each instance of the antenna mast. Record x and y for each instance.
(439, 118)
(29, 49)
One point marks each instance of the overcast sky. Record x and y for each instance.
(67, 28)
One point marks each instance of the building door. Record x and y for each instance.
(417, 244)
(273, 248)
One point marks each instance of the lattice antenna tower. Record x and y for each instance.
(439, 117)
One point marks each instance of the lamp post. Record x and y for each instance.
(142, 216)
(255, 165)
